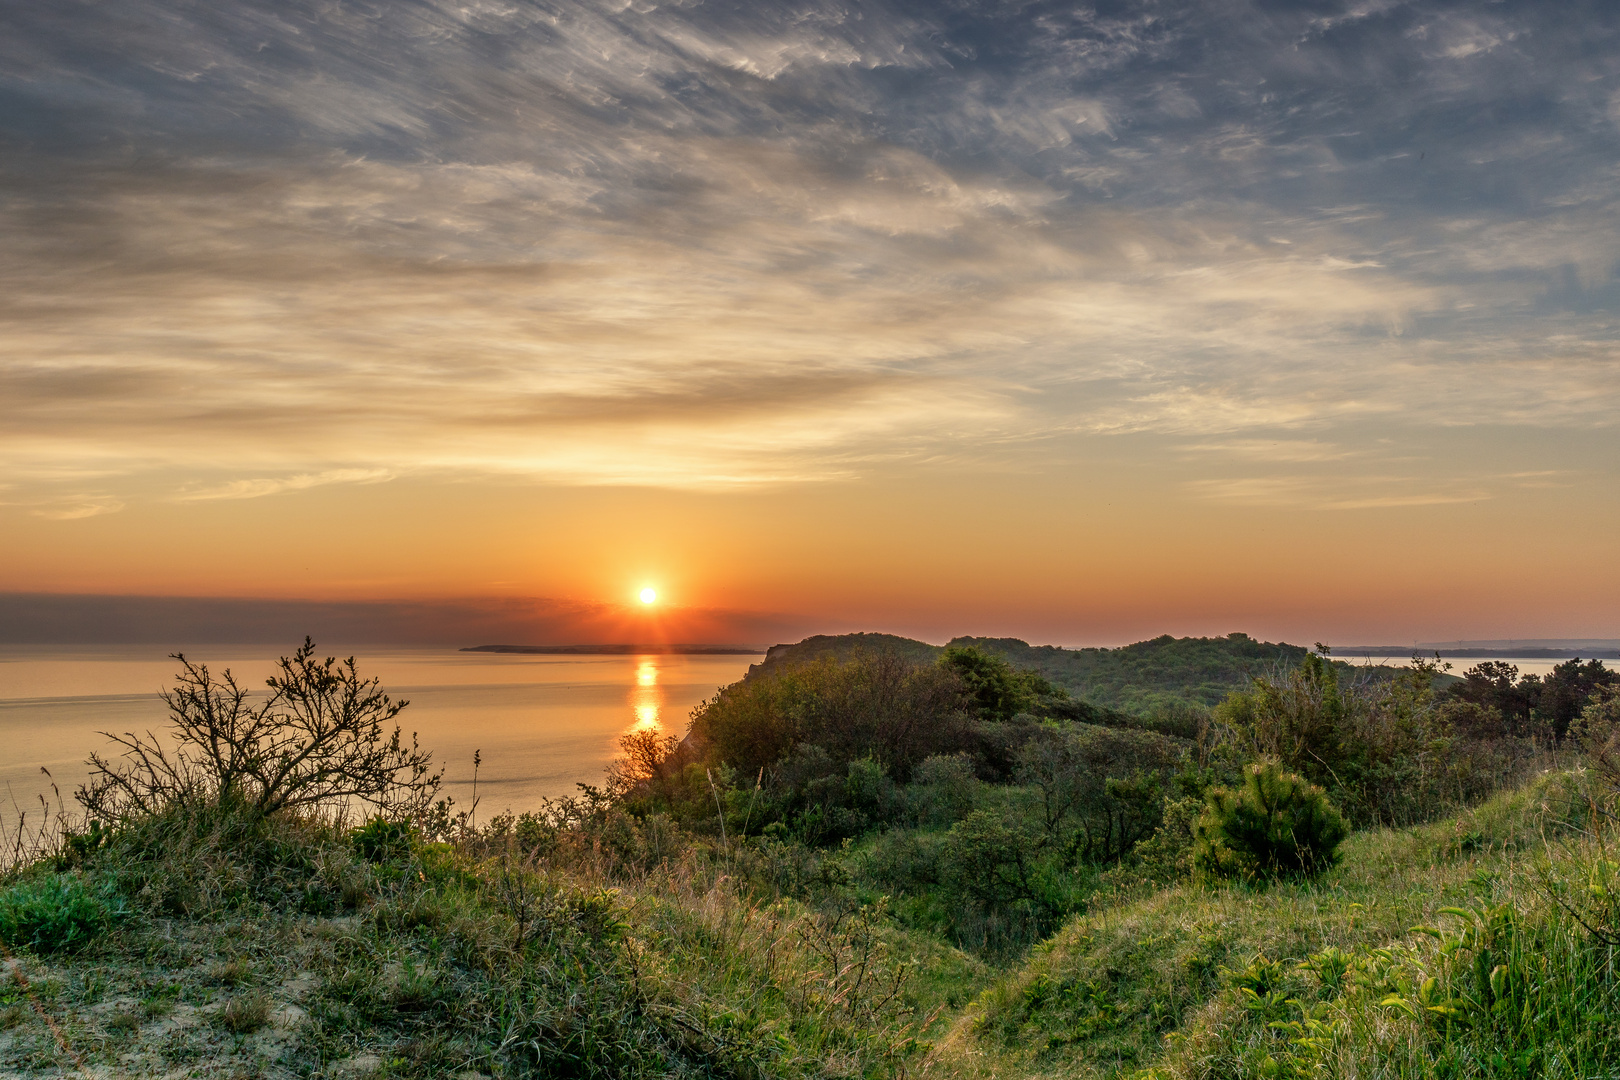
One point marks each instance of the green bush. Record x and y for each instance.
(1277, 825)
(53, 912)
(380, 840)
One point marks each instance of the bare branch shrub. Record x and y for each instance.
(320, 740)
(647, 760)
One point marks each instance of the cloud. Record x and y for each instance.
(1336, 493)
(40, 618)
(258, 488)
(1281, 450)
(73, 510)
(701, 247)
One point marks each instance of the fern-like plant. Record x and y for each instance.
(1275, 826)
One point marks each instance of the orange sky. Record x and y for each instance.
(1081, 327)
(1042, 555)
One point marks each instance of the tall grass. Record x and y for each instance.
(1328, 978)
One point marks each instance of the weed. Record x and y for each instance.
(380, 840)
(157, 1006)
(124, 1021)
(52, 912)
(230, 973)
(244, 1014)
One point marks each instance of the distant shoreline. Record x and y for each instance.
(1476, 654)
(619, 650)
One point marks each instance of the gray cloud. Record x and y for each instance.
(711, 245)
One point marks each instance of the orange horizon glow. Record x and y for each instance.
(974, 321)
(1101, 560)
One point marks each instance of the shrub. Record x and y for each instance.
(876, 705)
(55, 911)
(380, 840)
(1277, 825)
(1100, 789)
(318, 740)
(942, 789)
(1598, 733)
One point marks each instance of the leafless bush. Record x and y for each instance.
(319, 740)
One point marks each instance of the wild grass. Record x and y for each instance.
(275, 945)
(1327, 978)
(1006, 924)
(440, 957)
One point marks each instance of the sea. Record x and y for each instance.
(540, 724)
(1527, 665)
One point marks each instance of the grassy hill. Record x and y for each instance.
(285, 952)
(908, 885)
(1165, 673)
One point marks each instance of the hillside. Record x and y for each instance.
(600, 947)
(862, 868)
(1165, 673)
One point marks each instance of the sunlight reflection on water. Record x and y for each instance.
(544, 723)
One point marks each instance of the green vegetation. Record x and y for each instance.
(51, 912)
(1274, 826)
(863, 862)
(1168, 683)
(1166, 675)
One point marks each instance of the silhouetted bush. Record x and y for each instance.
(1276, 825)
(320, 740)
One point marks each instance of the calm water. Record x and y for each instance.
(1527, 665)
(544, 723)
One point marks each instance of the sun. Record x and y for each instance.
(648, 595)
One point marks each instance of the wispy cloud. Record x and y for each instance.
(1338, 493)
(74, 509)
(687, 246)
(260, 487)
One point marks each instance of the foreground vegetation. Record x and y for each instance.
(857, 865)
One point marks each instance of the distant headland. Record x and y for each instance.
(620, 650)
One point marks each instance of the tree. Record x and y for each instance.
(1277, 825)
(1566, 690)
(999, 691)
(320, 740)
(1495, 685)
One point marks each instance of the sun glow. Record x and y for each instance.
(647, 699)
(648, 595)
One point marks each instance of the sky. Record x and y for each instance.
(1076, 322)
